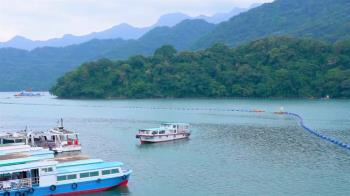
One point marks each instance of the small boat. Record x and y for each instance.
(166, 132)
(27, 93)
(57, 139)
(280, 112)
(25, 170)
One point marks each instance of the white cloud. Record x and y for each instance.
(44, 19)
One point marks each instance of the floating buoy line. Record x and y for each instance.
(316, 133)
(294, 115)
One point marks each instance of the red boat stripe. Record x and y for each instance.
(124, 183)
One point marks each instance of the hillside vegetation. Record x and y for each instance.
(327, 20)
(271, 67)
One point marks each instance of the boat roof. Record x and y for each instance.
(14, 135)
(88, 167)
(22, 159)
(25, 155)
(175, 124)
(54, 131)
(80, 162)
(153, 129)
(21, 149)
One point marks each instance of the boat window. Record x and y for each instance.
(115, 171)
(106, 172)
(49, 169)
(62, 138)
(5, 177)
(5, 141)
(155, 132)
(72, 176)
(84, 175)
(161, 132)
(61, 178)
(95, 173)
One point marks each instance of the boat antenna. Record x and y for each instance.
(61, 127)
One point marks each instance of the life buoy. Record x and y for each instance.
(31, 190)
(74, 186)
(52, 187)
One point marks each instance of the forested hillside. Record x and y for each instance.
(327, 20)
(271, 67)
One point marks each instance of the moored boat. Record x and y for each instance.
(33, 171)
(166, 132)
(27, 93)
(57, 139)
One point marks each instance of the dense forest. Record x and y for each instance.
(270, 67)
(327, 20)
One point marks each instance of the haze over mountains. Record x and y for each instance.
(327, 20)
(122, 31)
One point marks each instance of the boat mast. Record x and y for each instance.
(61, 127)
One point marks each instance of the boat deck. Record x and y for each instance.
(13, 156)
(71, 158)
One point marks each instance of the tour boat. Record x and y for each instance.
(25, 170)
(166, 132)
(57, 139)
(27, 93)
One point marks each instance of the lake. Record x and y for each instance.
(229, 153)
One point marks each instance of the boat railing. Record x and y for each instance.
(16, 184)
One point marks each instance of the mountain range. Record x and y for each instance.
(121, 31)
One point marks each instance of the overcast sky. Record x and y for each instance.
(44, 19)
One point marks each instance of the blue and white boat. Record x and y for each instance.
(25, 170)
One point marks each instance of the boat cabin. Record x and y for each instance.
(13, 138)
(166, 128)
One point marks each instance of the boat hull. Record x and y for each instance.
(73, 188)
(74, 148)
(163, 138)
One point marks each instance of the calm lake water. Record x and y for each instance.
(229, 153)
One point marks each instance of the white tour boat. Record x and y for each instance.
(166, 132)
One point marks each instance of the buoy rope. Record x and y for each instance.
(317, 133)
